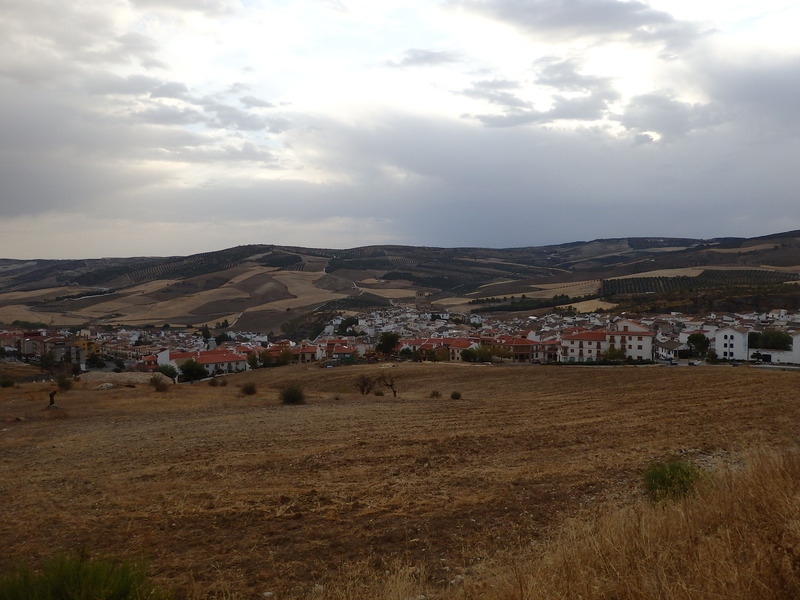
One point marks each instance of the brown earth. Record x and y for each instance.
(233, 496)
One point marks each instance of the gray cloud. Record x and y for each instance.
(209, 7)
(108, 83)
(253, 102)
(563, 74)
(634, 21)
(170, 89)
(496, 91)
(666, 116)
(418, 57)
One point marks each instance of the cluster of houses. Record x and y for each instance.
(426, 336)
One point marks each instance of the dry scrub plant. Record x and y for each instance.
(737, 538)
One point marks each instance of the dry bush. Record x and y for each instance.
(738, 538)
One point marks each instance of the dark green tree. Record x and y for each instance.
(168, 370)
(191, 370)
(771, 339)
(698, 344)
(387, 342)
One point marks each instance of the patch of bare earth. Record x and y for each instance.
(233, 494)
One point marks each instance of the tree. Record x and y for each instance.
(168, 370)
(345, 325)
(95, 362)
(613, 354)
(365, 383)
(222, 338)
(771, 339)
(252, 360)
(387, 342)
(285, 358)
(191, 370)
(698, 344)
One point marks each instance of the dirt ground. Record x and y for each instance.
(233, 496)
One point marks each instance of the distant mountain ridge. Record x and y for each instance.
(262, 283)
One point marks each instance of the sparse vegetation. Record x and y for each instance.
(455, 395)
(671, 479)
(435, 394)
(364, 384)
(249, 388)
(293, 393)
(531, 489)
(168, 370)
(159, 384)
(191, 370)
(79, 577)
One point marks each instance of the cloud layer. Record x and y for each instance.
(169, 127)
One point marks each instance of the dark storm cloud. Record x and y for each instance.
(418, 57)
(634, 21)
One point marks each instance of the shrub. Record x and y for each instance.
(455, 395)
(379, 392)
(6, 382)
(293, 394)
(159, 383)
(364, 384)
(435, 394)
(670, 479)
(64, 383)
(68, 577)
(213, 382)
(248, 389)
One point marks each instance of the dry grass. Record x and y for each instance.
(232, 496)
(737, 538)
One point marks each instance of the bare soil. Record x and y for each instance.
(230, 495)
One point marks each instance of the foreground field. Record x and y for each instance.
(234, 496)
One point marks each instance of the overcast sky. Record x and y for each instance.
(168, 127)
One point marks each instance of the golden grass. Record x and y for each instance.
(737, 538)
(231, 496)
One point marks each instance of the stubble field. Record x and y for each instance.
(234, 496)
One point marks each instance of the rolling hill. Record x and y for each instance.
(261, 287)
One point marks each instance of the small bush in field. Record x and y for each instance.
(67, 577)
(364, 383)
(455, 395)
(378, 392)
(293, 394)
(64, 383)
(6, 382)
(248, 389)
(159, 384)
(670, 479)
(435, 394)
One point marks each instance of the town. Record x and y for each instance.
(422, 332)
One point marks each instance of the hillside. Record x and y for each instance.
(261, 287)
(232, 496)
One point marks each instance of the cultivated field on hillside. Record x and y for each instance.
(232, 496)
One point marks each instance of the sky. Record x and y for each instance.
(170, 127)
